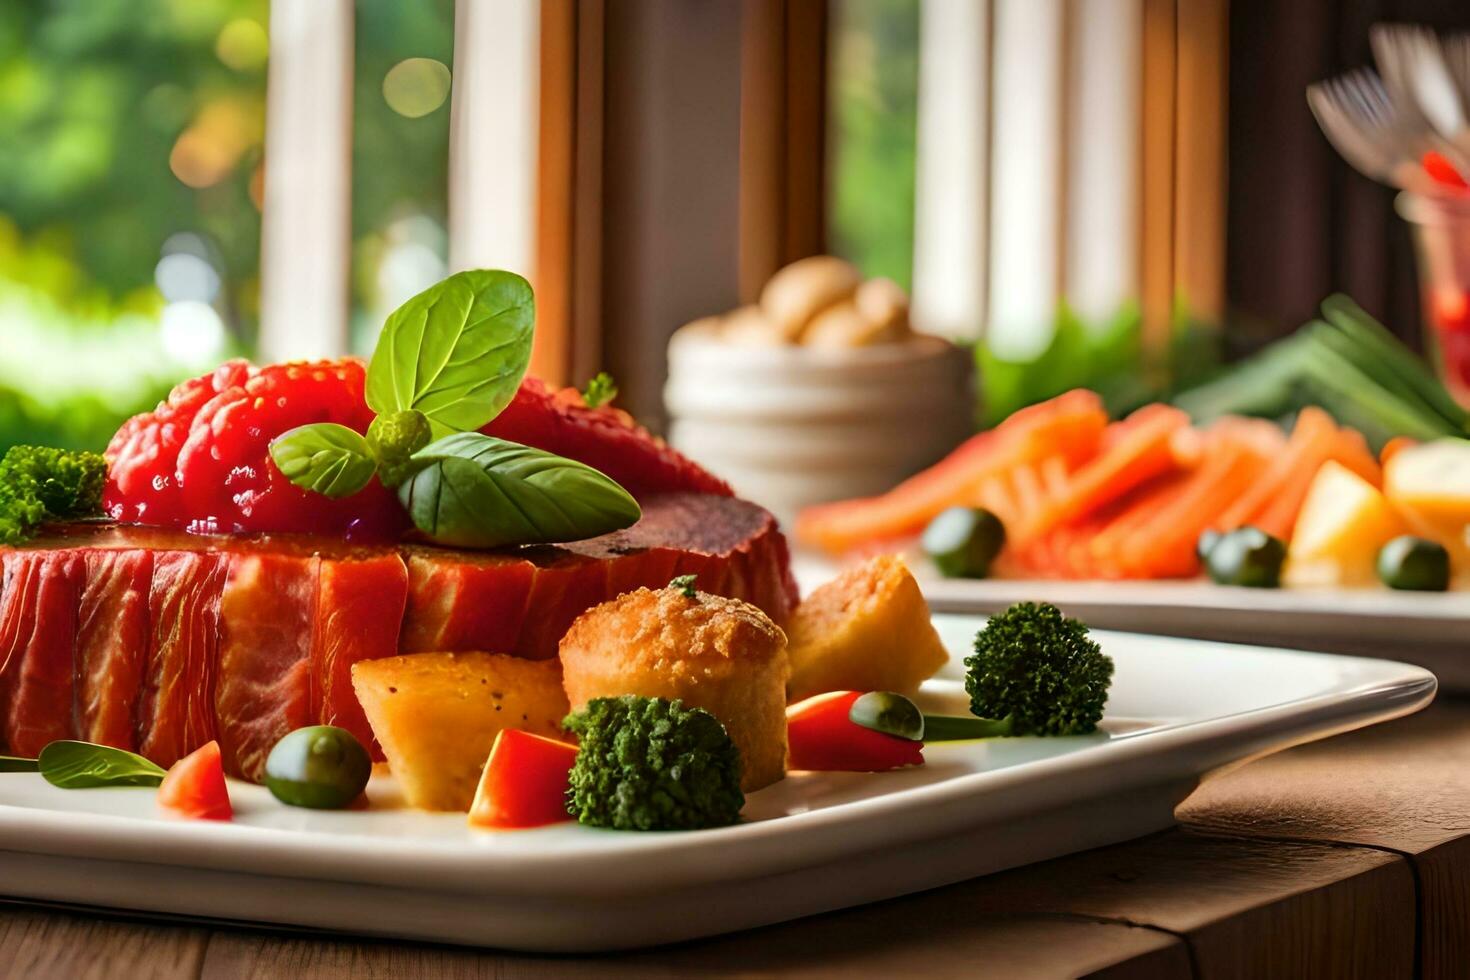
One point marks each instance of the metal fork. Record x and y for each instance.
(1360, 119)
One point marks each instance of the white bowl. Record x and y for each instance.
(793, 426)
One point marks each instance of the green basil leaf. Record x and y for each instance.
(325, 458)
(12, 763)
(82, 765)
(473, 491)
(456, 351)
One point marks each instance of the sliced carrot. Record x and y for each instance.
(1265, 438)
(1128, 515)
(1030, 496)
(1164, 547)
(1311, 441)
(1069, 426)
(1140, 450)
(996, 496)
(1054, 476)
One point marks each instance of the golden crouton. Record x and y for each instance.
(719, 654)
(866, 630)
(437, 715)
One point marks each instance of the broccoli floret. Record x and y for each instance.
(39, 483)
(652, 764)
(1040, 669)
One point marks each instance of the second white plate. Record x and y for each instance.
(1431, 629)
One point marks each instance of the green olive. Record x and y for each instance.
(889, 713)
(1206, 543)
(963, 541)
(321, 767)
(1414, 564)
(1246, 556)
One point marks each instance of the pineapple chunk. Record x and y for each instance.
(437, 714)
(1343, 522)
(866, 630)
(1430, 485)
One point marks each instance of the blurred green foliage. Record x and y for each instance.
(93, 98)
(1108, 358)
(124, 123)
(874, 75)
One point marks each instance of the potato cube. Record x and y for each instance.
(866, 630)
(437, 714)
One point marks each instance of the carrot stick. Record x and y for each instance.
(1164, 547)
(1141, 452)
(1069, 425)
(1309, 444)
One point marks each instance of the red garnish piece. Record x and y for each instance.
(201, 461)
(1442, 171)
(525, 782)
(141, 483)
(604, 438)
(194, 787)
(225, 468)
(822, 737)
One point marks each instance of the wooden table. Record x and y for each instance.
(1347, 858)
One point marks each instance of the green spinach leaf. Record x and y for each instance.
(326, 458)
(82, 765)
(11, 763)
(474, 491)
(455, 352)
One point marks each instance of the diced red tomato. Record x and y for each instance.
(823, 738)
(524, 783)
(195, 786)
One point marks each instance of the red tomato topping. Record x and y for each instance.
(525, 782)
(141, 483)
(201, 461)
(823, 738)
(195, 786)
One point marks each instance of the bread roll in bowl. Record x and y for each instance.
(845, 325)
(749, 327)
(805, 288)
(883, 303)
(722, 655)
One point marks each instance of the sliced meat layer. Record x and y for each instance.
(38, 626)
(459, 602)
(176, 699)
(523, 602)
(264, 686)
(161, 641)
(359, 610)
(112, 645)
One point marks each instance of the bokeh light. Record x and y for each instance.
(242, 44)
(192, 331)
(183, 276)
(416, 86)
(208, 150)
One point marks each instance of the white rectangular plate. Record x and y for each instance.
(1180, 710)
(1425, 628)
